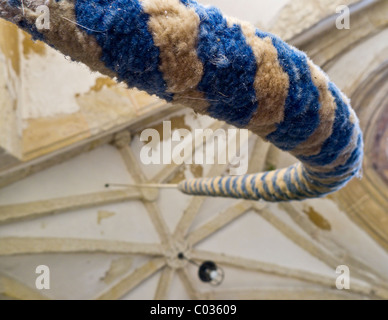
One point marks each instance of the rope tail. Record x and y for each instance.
(190, 54)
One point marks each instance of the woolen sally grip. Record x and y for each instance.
(193, 55)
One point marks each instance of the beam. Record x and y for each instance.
(138, 276)
(194, 206)
(164, 283)
(321, 237)
(219, 222)
(188, 284)
(13, 246)
(188, 217)
(15, 212)
(7, 160)
(264, 267)
(317, 251)
(138, 176)
(299, 240)
(280, 293)
(258, 156)
(14, 289)
(275, 270)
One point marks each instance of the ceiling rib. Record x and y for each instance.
(14, 245)
(273, 269)
(164, 283)
(258, 156)
(188, 284)
(195, 205)
(316, 234)
(295, 237)
(188, 217)
(127, 284)
(316, 251)
(152, 209)
(219, 222)
(16, 212)
(14, 289)
(282, 294)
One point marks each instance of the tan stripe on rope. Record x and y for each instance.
(66, 35)
(174, 28)
(313, 144)
(271, 82)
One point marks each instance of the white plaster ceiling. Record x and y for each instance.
(280, 238)
(270, 250)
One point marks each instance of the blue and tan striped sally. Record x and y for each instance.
(190, 54)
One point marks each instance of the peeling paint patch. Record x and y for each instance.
(195, 170)
(9, 44)
(10, 82)
(102, 82)
(104, 215)
(317, 218)
(117, 268)
(46, 89)
(30, 47)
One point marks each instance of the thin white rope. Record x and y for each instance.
(143, 185)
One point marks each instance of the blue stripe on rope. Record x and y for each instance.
(290, 184)
(234, 185)
(301, 110)
(265, 186)
(200, 187)
(213, 186)
(221, 186)
(243, 185)
(332, 186)
(229, 67)
(196, 186)
(191, 186)
(277, 187)
(227, 187)
(302, 186)
(354, 162)
(340, 137)
(207, 188)
(127, 45)
(253, 186)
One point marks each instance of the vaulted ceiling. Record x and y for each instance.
(124, 242)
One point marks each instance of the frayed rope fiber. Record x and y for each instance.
(187, 53)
